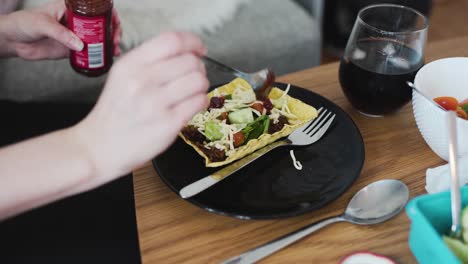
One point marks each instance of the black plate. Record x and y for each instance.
(271, 187)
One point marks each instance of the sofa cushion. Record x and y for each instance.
(276, 34)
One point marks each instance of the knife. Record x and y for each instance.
(210, 180)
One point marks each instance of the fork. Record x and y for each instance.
(261, 81)
(305, 135)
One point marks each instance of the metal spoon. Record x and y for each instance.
(410, 84)
(261, 81)
(375, 203)
(455, 230)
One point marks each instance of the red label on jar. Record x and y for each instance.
(91, 30)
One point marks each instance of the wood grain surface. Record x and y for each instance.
(172, 230)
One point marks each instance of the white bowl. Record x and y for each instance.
(445, 77)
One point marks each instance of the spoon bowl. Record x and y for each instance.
(377, 202)
(373, 204)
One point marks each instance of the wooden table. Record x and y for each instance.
(172, 230)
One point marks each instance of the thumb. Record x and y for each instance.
(60, 33)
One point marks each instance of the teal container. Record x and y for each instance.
(430, 218)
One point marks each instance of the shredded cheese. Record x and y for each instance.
(241, 98)
(286, 91)
(297, 164)
(284, 111)
(244, 96)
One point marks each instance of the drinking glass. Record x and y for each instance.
(385, 49)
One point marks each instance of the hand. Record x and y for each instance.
(150, 94)
(38, 34)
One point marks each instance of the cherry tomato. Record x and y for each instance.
(258, 107)
(461, 113)
(449, 103)
(464, 102)
(238, 139)
(464, 105)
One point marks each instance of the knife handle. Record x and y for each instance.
(208, 181)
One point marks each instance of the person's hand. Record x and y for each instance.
(150, 94)
(38, 34)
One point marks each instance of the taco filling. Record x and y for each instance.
(236, 123)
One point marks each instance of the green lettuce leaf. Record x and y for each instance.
(256, 128)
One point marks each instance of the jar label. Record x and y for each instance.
(91, 30)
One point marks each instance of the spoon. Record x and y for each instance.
(375, 203)
(261, 81)
(455, 230)
(410, 84)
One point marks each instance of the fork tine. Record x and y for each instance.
(314, 121)
(322, 130)
(318, 121)
(317, 127)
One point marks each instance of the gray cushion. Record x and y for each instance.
(45, 81)
(268, 33)
(265, 33)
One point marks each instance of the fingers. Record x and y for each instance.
(174, 68)
(115, 17)
(185, 110)
(117, 34)
(43, 49)
(56, 9)
(116, 41)
(167, 45)
(60, 33)
(182, 89)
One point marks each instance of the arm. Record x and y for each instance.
(138, 115)
(42, 170)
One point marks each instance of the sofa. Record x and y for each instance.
(284, 35)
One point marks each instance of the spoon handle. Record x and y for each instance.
(455, 186)
(271, 247)
(410, 84)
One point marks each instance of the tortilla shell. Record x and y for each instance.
(303, 111)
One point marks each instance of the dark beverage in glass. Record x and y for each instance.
(384, 51)
(375, 82)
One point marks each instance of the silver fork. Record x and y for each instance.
(261, 81)
(308, 134)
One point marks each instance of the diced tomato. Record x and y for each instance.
(238, 139)
(216, 102)
(268, 104)
(223, 116)
(258, 107)
(449, 103)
